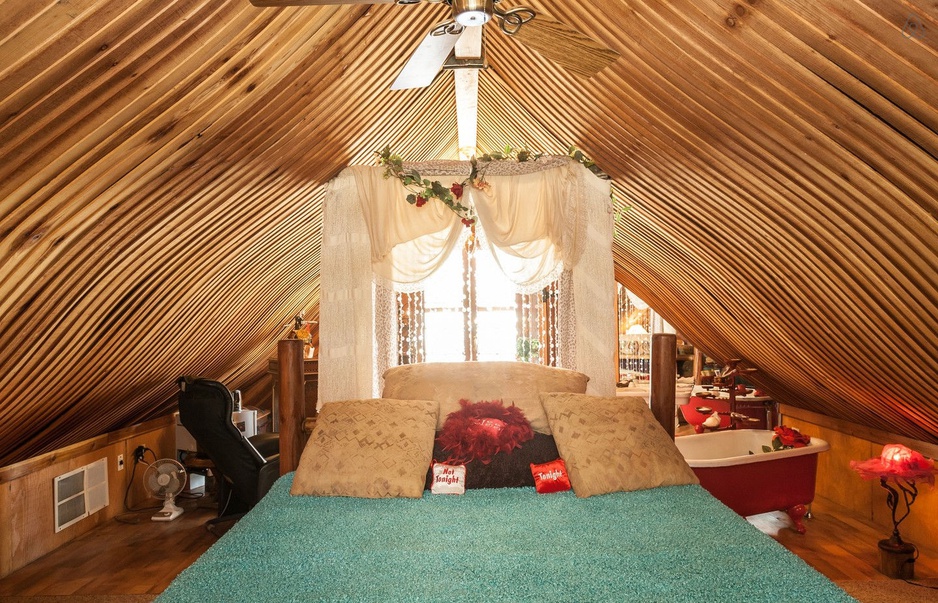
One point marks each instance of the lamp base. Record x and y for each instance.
(897, 559)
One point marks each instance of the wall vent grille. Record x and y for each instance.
(79, 493)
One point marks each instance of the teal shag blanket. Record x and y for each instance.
(668, 544)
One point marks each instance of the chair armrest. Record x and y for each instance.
(268, 444)
(268, 474)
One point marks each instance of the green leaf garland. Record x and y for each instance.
(421, 190)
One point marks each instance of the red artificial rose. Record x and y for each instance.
(456, 189)
(791, 437)
(421, 201)
(467, 222)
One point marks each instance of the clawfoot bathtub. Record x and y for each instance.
(754, 483)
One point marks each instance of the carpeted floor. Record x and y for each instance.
(892, 591)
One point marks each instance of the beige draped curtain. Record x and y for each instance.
(541, 220)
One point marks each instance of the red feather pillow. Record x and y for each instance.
(478, 431)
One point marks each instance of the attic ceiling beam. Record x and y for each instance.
(469, 45)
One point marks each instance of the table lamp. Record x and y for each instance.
(898, 469)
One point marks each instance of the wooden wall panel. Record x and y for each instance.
(774, 164)
(26, 490)
(865, 498)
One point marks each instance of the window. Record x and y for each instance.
(469, 310)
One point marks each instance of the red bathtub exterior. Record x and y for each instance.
(753, 488)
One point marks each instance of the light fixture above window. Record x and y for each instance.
(472, 13)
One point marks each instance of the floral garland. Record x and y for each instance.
(422, 189)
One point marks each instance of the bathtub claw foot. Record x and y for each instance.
(797, 513)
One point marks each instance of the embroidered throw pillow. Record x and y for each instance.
(613, 444)
(368, 449)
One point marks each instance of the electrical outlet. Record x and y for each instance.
(120, 462)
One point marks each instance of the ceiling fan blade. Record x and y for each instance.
(321, 2)
(566, 46)
(425, 63)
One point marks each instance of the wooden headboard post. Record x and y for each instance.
(292, 403)
(663, 379)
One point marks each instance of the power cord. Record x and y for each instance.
(139, 457)
(913, 560)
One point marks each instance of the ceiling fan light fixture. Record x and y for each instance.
(472, 13)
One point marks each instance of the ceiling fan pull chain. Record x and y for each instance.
(511, 20)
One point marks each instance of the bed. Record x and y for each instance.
(355, 522)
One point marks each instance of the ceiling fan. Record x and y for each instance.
(556, 41)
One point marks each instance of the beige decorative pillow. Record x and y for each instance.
(368, 449)
(613, 444)
(518, 383)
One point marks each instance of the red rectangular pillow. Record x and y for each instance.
(550, 477)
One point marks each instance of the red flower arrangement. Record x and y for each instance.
(787, 437)
(479, 431)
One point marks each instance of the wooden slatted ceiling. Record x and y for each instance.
(161, 186)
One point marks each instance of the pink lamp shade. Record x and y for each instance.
(897, 461)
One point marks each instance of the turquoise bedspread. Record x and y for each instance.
(667, 544)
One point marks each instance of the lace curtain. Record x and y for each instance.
(542, 220)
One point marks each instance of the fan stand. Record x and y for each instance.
(169, 512)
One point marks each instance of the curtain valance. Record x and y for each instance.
(539, 218)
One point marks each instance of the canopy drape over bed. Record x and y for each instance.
(543, 220)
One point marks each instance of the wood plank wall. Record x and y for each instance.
(27, 521)
(866, 499)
